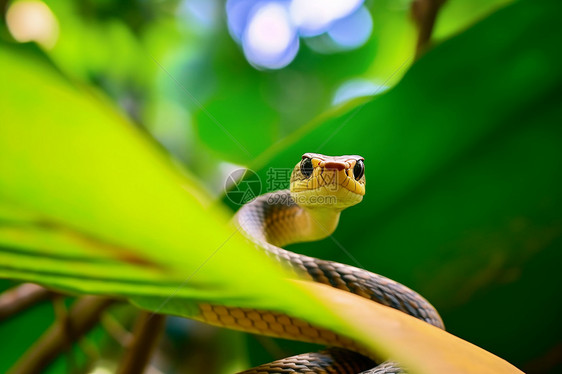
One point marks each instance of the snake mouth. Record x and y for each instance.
(329, 180)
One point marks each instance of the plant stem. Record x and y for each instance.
(21, 297)
(147, 331)
(424, 13)
(83, 315)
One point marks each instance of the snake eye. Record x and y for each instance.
(358, 169)
(306, 167)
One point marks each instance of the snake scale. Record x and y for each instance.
(321, 187)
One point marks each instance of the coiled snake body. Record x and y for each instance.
(321, 187)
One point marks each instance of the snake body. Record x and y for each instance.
(321, 187)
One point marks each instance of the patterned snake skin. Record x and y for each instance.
(271, 218)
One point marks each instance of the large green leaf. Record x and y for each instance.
(90, 206)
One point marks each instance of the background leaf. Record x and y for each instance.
(463, 173)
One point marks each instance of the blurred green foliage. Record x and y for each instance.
(77, 217)
(463, 156)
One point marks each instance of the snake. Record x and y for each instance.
(321, 187)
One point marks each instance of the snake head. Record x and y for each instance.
(320, 181)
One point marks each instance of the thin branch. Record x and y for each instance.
(424, 13)
(114, 328)
(92, 353)
(148, 329)
(21, 297)
(83, 316)
(62, 317)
